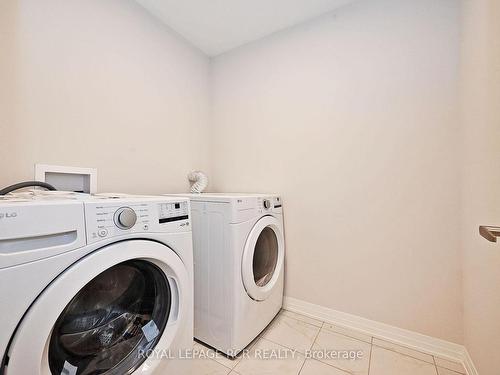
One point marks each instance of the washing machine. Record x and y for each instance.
(239, 252)
(95, 284)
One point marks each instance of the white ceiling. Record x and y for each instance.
(216, 26)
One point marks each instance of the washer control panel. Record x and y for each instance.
(108, 218)
(125, 218)
(173, 211)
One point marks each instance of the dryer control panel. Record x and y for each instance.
(107, 218)
(270, 204)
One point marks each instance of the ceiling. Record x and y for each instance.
(216, 26)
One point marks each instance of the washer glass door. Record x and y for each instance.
(112, 321)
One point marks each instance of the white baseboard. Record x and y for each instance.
(431, 345)
(468, 364)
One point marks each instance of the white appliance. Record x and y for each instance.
(94, 284)
(239, 252)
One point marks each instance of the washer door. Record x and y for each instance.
(105, 314)
(263, 258)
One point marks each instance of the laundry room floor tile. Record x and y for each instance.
(313, 367)
(208, 367)
(306, 319)
(403, 350)
(328, 341)
(262, 360)
(444, 371)
(348, 332)
(388, 362)
(217, 356)
(291, 333)
(228, 362)
(450, 365)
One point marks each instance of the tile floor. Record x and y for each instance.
(293, 333)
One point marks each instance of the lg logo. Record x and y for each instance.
(8, 215)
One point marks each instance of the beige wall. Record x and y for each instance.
(353, 119)
(100, 84)
(481, 186)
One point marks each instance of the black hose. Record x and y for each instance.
(26, 184)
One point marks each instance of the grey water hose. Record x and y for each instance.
(26, 184)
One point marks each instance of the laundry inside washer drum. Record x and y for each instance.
(102, 329)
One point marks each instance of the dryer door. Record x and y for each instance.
(263, 258)
(105, 314)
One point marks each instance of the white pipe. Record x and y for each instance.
(199, 181)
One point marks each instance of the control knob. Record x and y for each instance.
(267, 204)
(125, 218)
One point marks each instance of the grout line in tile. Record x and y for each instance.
(223, 365)
(286, 347)
(434, 363)
(275, 319)
(305, 316)
(323, 363)
(352, 338)
(407, 355)
(317, 334)
(261, 333)
(298, 320)
(219, 364)
(283, 345)
(230, 369)
(418, 359)
(312, 345)
(328, 364)
(301, 367)
(463, 371)
(403, 346)
(236, 359)
(370, 359)
(347, 334)
(455, 372)
(343, 334)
